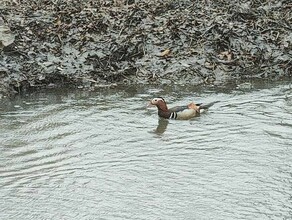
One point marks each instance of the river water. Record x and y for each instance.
(104, 155)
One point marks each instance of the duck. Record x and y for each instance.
(184, 112)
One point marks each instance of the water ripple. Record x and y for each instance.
(104, 155)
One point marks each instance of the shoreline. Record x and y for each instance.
(93, 44)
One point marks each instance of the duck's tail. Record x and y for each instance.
(206, 106)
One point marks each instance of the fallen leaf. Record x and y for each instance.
(165, 53)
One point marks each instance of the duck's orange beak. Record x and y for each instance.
(150, 104)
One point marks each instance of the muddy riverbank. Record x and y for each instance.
(89, 43)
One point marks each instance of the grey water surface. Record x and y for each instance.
(104, 155)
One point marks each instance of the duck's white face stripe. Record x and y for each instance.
(156, 100)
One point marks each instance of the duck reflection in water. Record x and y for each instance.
(162, 126)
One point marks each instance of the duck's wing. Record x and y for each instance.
(184, 112)
(178, 108)
(192, 105)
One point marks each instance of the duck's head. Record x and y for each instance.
(159, 102)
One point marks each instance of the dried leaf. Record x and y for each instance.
(165, 53)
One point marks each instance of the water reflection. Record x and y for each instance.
(162, 126)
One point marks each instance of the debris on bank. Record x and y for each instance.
(90, 43)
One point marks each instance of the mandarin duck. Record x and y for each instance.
(178, 112)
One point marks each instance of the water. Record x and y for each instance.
(103, 155)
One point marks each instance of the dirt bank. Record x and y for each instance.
(88, 43)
